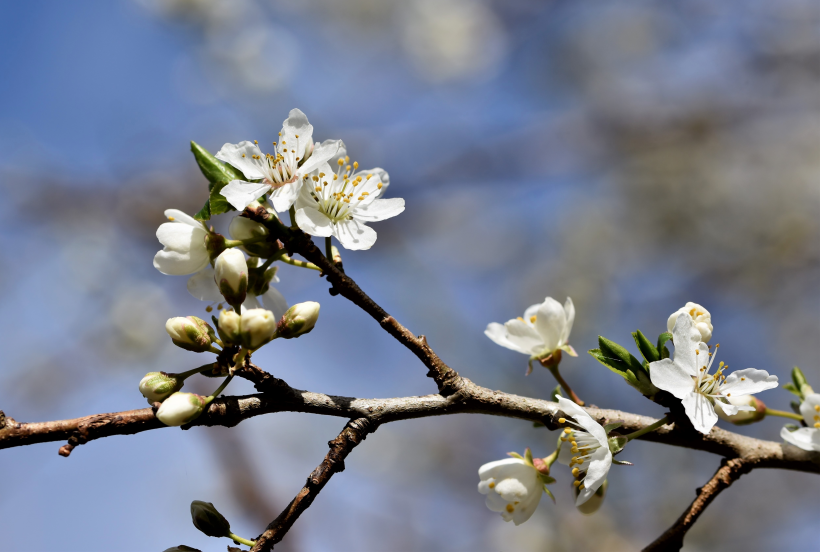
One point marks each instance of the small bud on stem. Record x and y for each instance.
(298, 320)
(191, 333)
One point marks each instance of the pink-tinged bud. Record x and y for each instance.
(298, 320)
(744, 417)
(158, 386)
(541, 466)
(180, 409)
(231, 276)
(190, 333)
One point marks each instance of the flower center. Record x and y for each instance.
(583, 446)
(341, 193)
(709, 384)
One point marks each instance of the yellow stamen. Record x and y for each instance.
(577, 483)
(510, 508)
(532, 319)
(492, 484)
(567, 430)
(564, 420)
(575, 472)
(172, 219)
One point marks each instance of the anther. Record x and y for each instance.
(567, 430)
(510, 508)
(533, 319)
(577, 483)
(491, 485)
(564, 420)
(575, 472)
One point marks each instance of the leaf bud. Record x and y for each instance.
(591, 506)
(231, 276)
(180, 408)
(190, 333)
(207, 519)
(229, 327)
(158, 386)
(257, 326)
(298, 320)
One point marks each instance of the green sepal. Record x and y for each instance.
(549, 494)
(528, 456)
(515, 455)
(622, 462)
(617, 444)
(792, 427)
(556, 393)
(801, 383)
(663, 352)
(649, 352)
(609, 427)
(796, 407)
(546, 479)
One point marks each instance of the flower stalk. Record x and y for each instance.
(648, 429)
(783, 414)
(563, 383)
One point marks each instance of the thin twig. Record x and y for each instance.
(354, 433)
(729, 472)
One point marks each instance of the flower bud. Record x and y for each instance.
(190, 333)
(229, 327)
(591, 506)
(701, 316)
(298, 320)
(158, 386)
(244, 229)
(744, 417)
(231, 275)
(258, 326)
(541, 466)
(207, 519)
(180, 408)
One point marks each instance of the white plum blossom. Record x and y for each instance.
(543, 330)
(340, 204)
(513, 488)
(585, 450)
(806, 438)
(280, 173)
(203, 286)
(687, 377)
(701, 316)
(185, 250)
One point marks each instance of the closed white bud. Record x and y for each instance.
(231, 275)
(190, 333)
(257, 327)
(298, 320)
(229, 327)
(180, 408)
(158, 386)
(243, 229)
(701, 316)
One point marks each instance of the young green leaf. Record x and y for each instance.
(663, 352)
(648, 350)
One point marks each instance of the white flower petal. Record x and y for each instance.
(184, 251)
(584, 420)
(321, 154)
(550, 322)
(176, 215)
(202, 286)
(284, 196)
(599, 465)
(668, 375)
(498, 333)
(531, 311)
(808, 408)
(748, 382)
(495, 503)
(310, 220)
(500, 469)
(700, 412)
(569, 309)
(686, 339)
(806, 438)
(250, 303)
(241, 194)
(527, 507)
(241, 156)
(354, 235)
(275, 302)
(380, 209)
(511, 489)
(524, 336)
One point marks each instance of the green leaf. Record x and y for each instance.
(612, 426)
(218, 203)
(649, 352)
(638, 379)
(619, 354)
(789, 386)
(214, 169)
(663, 352)
(204, 213)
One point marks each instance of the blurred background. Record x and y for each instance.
(632, 155)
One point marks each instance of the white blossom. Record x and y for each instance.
(513, 488)
(282, 172)
(701, 316)
(185, 250)
(543, 330)
(340, 203)
(585, 450)
(806, 438)
(687, 377)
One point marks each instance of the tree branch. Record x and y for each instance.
(729, 472)
(354, 433)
